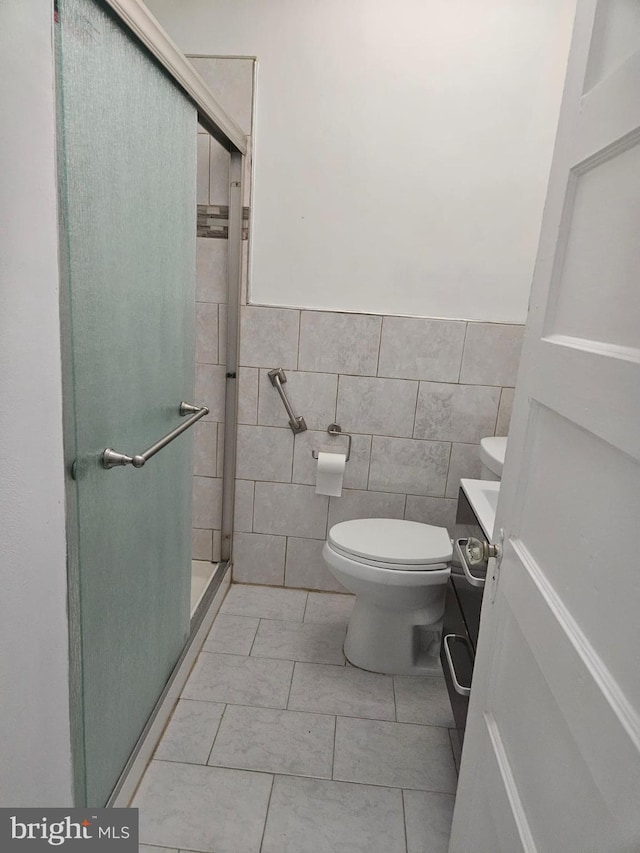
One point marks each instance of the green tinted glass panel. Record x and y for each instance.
(128, 209)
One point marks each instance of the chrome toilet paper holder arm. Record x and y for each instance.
(333, 430)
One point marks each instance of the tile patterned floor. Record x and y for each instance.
(279, 746)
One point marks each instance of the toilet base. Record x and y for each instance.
(395, 643)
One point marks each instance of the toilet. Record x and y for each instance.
(398, 571)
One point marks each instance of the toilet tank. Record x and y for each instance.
(492, 452)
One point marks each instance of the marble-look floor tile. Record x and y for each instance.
(422, 700)
(231, 635)
(394, 754)
(240, 680)
(428, 819)
(320, 816)
(290, 742)
(303, 641)
(191, 732)
(333, 609)
(265, 602)
(209, 809)
(342, 690)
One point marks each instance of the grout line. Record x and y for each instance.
(464, 344)
(415, 410)
(273, 773)
(215, 738)
(304, 613)
(293, 670)
(342, 714)
(258, 395)
(266, 814)
(446, 480)
(333, 756)
(298, 340)
(404, 820)
(395, 701)
(495, 427)
(253, 642)
(369, 465)
(379, 345)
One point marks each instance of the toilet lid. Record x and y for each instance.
(391, 540)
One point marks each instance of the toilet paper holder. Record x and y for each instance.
(333, 430)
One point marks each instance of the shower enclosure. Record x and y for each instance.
(128, 106)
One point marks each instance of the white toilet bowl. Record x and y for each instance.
(398, 571)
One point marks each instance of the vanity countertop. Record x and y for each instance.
(483, 497)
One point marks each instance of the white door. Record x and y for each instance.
(551, 759)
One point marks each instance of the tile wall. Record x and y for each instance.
(417, 394)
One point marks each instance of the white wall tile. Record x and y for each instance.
(413, 348)
(222, 334)
(211, 270)
(504, 411)
(269, 337)
(339, 343)
(258, 558)
(264, 453)
(206, 333)
(217, 543)
(210, 388)
(207, 502)
(243, 513)
(440, 512)
(201, 544)
(220, 453)
(312, 395)
(218, 174)
(447, 412)
(290, 510)
(202, 181)
(205, 445)
(377, 406)
(305, 567)
(491, 354)
(305, 466)
(408, 465)
(360, 504)
(248, 395)
(464, 462)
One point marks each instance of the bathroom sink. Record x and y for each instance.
(483, 497)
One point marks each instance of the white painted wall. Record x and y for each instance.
(402, 146)
(35, 753)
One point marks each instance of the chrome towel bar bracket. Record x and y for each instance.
(112, 459)
(278, 378)
(336, 429)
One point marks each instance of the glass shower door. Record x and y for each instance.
(127, 140)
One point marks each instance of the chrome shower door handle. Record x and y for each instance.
(113, 459)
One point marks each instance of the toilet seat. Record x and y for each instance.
(391, 543)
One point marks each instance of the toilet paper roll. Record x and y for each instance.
(330, 473)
